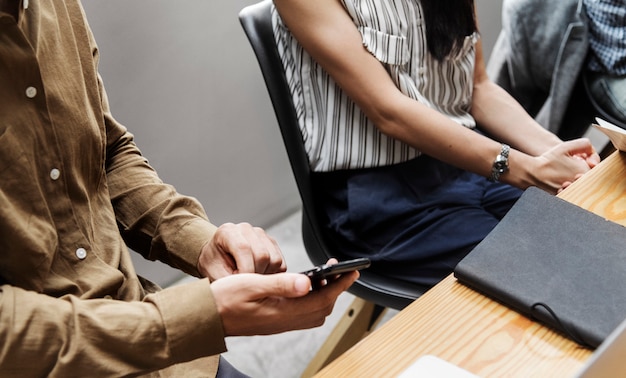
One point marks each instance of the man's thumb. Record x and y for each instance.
(289, 285)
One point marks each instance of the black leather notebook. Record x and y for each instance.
(556, 263)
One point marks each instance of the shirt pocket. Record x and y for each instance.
(467, 48)
(387, 48)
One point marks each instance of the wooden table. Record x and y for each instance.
(476, 333)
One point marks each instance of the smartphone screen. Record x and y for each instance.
(322, 273)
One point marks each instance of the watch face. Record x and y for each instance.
(501, 163)
(501, 166)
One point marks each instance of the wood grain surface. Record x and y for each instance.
(476, 333)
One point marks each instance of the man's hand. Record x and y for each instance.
(254, 304)
(240, 248)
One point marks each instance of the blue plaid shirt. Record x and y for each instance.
(607, 35)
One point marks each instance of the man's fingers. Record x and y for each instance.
(269, 259)
(251, 248)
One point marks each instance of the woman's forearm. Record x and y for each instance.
(502, 117)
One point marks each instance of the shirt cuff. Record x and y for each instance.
(188, 245)
(192, 323)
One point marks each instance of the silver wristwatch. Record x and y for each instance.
(501, 164)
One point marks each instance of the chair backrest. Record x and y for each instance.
(601, 112)
(382, 290)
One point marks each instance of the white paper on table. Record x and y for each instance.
(429, 366)
(616, 134)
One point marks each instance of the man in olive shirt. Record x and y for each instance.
(74, 191)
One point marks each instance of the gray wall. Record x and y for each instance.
(182, 77)
(489, 19)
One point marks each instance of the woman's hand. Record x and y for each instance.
(563, 164)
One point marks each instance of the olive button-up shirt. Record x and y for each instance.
(74, 191)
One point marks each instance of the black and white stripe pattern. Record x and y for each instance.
(336, 133)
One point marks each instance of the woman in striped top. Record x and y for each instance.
(403, 130)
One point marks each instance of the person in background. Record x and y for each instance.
(606, 62)
(552, 55)
(417, 154)
(75, 190)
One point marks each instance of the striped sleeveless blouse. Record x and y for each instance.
(337, 135)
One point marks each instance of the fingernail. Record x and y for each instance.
(302, 284)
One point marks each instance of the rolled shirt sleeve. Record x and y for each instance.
(101, 337)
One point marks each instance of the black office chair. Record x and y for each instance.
(375, 289)
(382, 290)
(582, 111)
(600, 112)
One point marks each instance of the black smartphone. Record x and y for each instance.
(322, 273)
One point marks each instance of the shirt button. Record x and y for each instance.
(108, 297)
(55, 174)
(81, 253)
(31, 92)
(25, 4)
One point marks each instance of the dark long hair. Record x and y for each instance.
(448, 22)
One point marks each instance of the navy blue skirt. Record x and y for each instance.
(414, 220)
